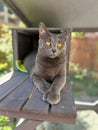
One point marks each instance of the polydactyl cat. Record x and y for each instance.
(49, 72)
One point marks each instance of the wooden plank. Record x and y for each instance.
(18, 97)
(66, 107)
(36, 105)
(7, 77)
(28, 125)
(12, 84)
(41, 117)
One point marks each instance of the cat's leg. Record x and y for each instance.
(53, 94)
(40, 83)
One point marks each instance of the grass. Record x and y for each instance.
(85, 87)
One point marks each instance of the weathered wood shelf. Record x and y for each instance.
(19, 98)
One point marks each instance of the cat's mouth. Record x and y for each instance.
(53, 56)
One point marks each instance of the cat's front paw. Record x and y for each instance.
(52, 98)
(45, 95)
(43, 88)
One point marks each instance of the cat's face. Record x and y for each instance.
(51, 44)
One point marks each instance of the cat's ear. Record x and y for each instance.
(42, 30)
(66, 31)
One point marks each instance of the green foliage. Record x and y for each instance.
(3, 120)
(6, 58)
(77, 34)
(88, 86)
(3, 66)
(4, 123)
(21, 25)
(78, 72)
(84, 84)
(6, 65)
(6, 128)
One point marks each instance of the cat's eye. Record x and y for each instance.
(48, 43)
(59, 44)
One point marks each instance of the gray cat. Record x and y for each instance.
(49, 72)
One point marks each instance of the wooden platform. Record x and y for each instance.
(19, 98)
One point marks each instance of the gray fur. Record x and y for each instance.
(49, 72)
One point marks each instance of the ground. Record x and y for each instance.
(86, 120)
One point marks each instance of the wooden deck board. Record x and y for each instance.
(19, 98)
(36, 104)
(41, 117)
(15, 100)
(12, 84)
(66, 107)
(7, 77)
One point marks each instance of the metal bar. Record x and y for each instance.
(58, 29)
(87, 105)
(91, 29)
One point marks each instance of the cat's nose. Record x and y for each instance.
(53, 50)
